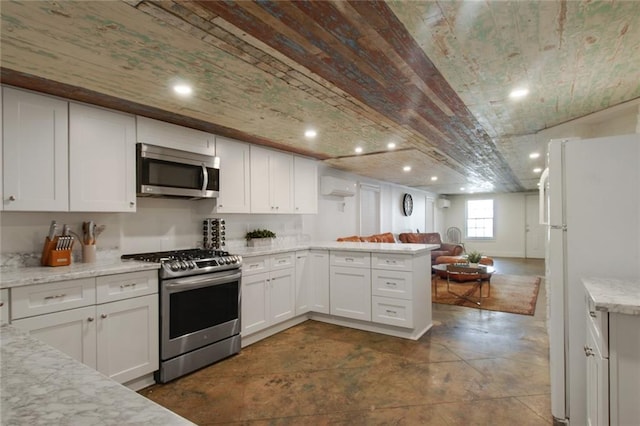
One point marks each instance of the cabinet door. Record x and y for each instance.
(318, 272)
(597, 381)
(271, 181)
(303, 281)
(102, 160)
(260, 181)
(305, 186)
(35, 157)
(281, 182)
(282, 295)
(255, 303)
(72, 332)
(169, 135)
(350, 292)
(235, 194)
(127, 338)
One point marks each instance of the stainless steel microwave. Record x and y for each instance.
(166, 172)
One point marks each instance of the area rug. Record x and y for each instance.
(515, 294)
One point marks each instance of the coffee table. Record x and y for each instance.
(480, 274)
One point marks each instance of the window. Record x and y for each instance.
(479, 218)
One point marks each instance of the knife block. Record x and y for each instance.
(53, 257)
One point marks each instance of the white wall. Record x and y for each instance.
(509, 212)
(339, 217)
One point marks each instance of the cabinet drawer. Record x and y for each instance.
(390, 311)
(282, 261)
(350, 258)
(52, 297)
(255, 265)
(110, 288)
(400, 262)
(392, 284)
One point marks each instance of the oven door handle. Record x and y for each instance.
(201, 281)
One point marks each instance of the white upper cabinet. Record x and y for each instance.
(271, 181)
(169, 135)
(305, 181)
(235, 194)
(102, 160)
(35, 157)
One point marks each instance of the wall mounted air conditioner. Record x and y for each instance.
(330, 185)
(443, 203)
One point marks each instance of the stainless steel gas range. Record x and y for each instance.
(199, 308)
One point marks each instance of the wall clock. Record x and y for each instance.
(407, 204)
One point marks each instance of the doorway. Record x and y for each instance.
(534, 232)
(369, 209)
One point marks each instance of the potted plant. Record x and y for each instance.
(474, 258)
(259, 238)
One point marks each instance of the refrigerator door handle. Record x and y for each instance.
(542, 202)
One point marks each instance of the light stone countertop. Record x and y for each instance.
(397, 248)
(16, 277)
(613, 295)
(40, 385)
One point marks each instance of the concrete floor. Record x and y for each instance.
(473, 367)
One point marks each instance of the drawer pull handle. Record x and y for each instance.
(393, 262)
(90, 319)
(254, 265)
(588, 351)
(282, 261)
(389, 311)
(348, 259)
(57, 296)
(592, 314)
(103, 316)
(1, 303)
(128, 285)
(392, 284)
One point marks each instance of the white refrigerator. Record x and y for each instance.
(590, 202)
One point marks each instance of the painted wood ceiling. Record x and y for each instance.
(433, 77)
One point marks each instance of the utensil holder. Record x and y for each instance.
(53, 257)
(88, 253)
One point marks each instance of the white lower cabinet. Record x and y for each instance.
(72, 332)
(350, 292)
(127, 337)
(312, 281)
(268, 291)
(613, 368)
(119, 338)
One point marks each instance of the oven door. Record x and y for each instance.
(197, 311)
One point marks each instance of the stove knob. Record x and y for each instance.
(183, 265)
(227, 261)
(175, 267)
(234, 259)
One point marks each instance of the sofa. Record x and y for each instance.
(387, 237)
(446, 249)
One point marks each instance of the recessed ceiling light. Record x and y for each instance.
(434, 178)
(462, 188)
(310, 134)
(391, 145)
(519, 93)
(537, 170)
(407, 168)
(358, 150)
(534, 155)
(182, 89)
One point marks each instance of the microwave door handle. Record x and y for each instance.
(205, 179)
